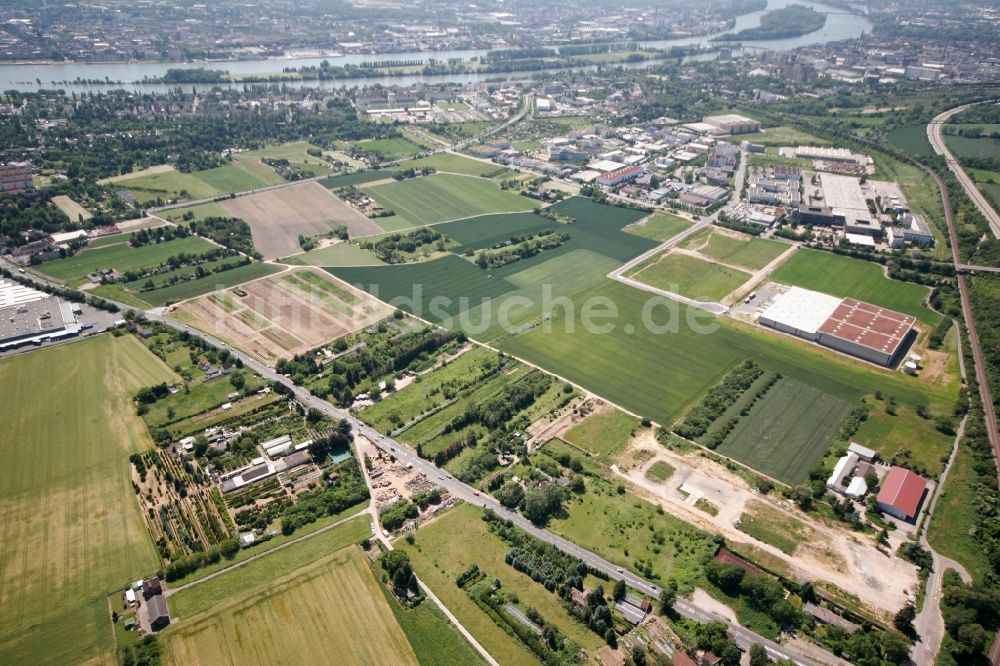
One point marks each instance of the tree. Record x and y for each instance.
(904, 619)
(542, 503)
(619, 590)
(314, 416)
(611, 638)
(510, 494)
(971, 640)
(895, 647)
(638, 655)
(758, 655)
(668, 595)
(237, 380)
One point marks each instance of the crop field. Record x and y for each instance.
(447, 546)
(658, 226)
(731, 247)
(121, 257)
(602, 432)
(355, 178)
(278, 217)
(450, 163)
(690, 276)
(74, 211)
(329, 613)
(787, 431)
(843, 276)
(967, 147)
(680, 363)
(911, 139)
(441, 197)
(71, 528)
(238, 177)
(338, 254)
(283, 315)
(489, 230)
(182, 291)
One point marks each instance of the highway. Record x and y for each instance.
(941, 148)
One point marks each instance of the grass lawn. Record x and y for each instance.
(405, 405)
(391, 149)
(786, 136)
(447, 546)
(330, 612)
(623, 529)
(659, 471)
(121, 257)
(950, 531)
(450, 163)
(774, 527)
(441, 197)
(689, 276)
(787, 431)
(117, 292)
(602, 432)
(235, 178)
(658, 226)
(914, 439)
(339, 254)
(855, 278)
(433, 637)
(191, 288)
(753, 253)
(202, 396)
(200, 211)
(71, 527)
(170, 184)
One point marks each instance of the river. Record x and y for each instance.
(26, 77)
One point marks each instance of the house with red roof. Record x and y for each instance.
(902, 493)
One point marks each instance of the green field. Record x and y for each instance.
(911, 139)
(451, 163)
(355, 178)
(330, 612)
(237, 177)
(752, 253)
(200, 212)
(441, 197)
(391, 149)
(660, 471)
(787, 136)
(122, 257)
(659, 226)
(169, 184)
(787, 431)
(489, 230)
(777, 528)
(71, 528)
(966, 147)
(916, 439)
(448, 545)
(952, 532)
(602, 432)
(689, 276)
(855, 278)
(679, 365)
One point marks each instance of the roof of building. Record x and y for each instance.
(903, 490)
(858, 487)
(35, 319)
(862, 451)
(156, 607)
(631, 614)
(842, 467)
(827, 616)
(801, 309)
(868, 325)
(681, 659)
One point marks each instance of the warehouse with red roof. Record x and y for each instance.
(902, 493)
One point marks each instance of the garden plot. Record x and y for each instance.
(283, 315)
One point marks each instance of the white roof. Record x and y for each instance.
(862, 451)
(860, 239)
(857, 487)
(801, 309)
(130, 595)
(67, 236)
(840, 468)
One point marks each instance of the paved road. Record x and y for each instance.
(941, 148)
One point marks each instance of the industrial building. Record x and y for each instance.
(852, 327)
(732, 123)
(28, 316)
(902, 493)
(910, 229)
(618, 176)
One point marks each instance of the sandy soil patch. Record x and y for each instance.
(843, 558)
(148, 171)
(278, 217)
(285, 314)
(712, 605)
(148, 222)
